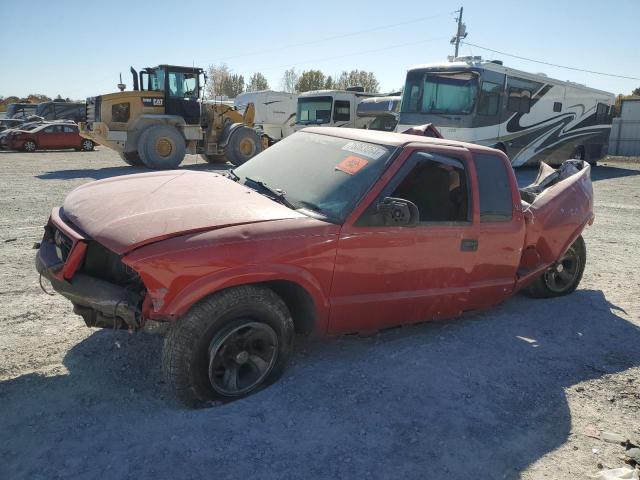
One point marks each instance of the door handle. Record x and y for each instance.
(468, 245)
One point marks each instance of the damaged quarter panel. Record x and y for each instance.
(558, 214)
(182, 270)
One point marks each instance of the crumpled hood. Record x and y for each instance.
(123, 213)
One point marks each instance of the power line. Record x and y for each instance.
(335, 37)
(363, 52)
(550, 64)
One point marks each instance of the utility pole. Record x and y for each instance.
(460, 33)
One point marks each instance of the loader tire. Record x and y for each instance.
(563, 277)
(243, 145)
(228, 345)
(161, 147)
(132, 158)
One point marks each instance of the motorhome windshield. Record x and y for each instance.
(314, 110)
(440, 92)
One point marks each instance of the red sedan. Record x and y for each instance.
(48, 136)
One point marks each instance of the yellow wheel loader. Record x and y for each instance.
(163, 119)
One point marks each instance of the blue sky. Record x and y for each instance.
(78, 48)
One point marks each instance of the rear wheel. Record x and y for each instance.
(29, 146)
(87, 145)
(132, 158)
(161, 147)
(214, 158)
(563, 277)
(228, 346)
(243, 145)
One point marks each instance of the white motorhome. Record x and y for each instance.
(275, 111)
(383, 112)
(332, 108)
(529, 116)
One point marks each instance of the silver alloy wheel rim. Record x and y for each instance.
(240, 360)
(29, 146)
(562, 276)
(87, 144)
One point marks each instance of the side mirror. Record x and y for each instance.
(398, 212)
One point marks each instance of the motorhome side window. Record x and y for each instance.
(601, 113)
(436, 184)
(489, 102)
(341, 111)
(494, 189)
(519, 100)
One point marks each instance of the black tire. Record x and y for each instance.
(555, 282)
(87, 145)
(193, 345)
(243, 145)
(29, 146)
(161, 147)
(214, 158)
(132, 158)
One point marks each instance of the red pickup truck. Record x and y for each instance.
(329, 231)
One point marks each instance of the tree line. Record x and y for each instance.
(223, 82)
(31, 98)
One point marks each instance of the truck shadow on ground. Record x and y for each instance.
(108, 172)
(437, 400)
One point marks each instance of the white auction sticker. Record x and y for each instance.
(366, 149)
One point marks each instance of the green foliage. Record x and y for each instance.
(233, 85)
(310, 80)
(257, 82)
(358, 78)
(636, 92)
(328, 84)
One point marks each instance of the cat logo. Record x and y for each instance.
(152, 102)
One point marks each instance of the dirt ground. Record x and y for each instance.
(502, 394)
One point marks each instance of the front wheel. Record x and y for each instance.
(132, 159)
(29, 146)
(563, 277)
(87, 145)
(161, 147)
(243, 145)
(227, 346)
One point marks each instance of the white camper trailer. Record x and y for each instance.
(529, 116)
(332, 108)
(275, 111)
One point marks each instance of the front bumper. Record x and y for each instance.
(100, 303)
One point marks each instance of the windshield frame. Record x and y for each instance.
(420, 77)
(310, 99)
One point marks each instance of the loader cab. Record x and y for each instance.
(181, 88)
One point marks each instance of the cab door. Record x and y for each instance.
(391, 275)
(181, 97)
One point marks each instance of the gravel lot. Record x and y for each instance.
(503, 394)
